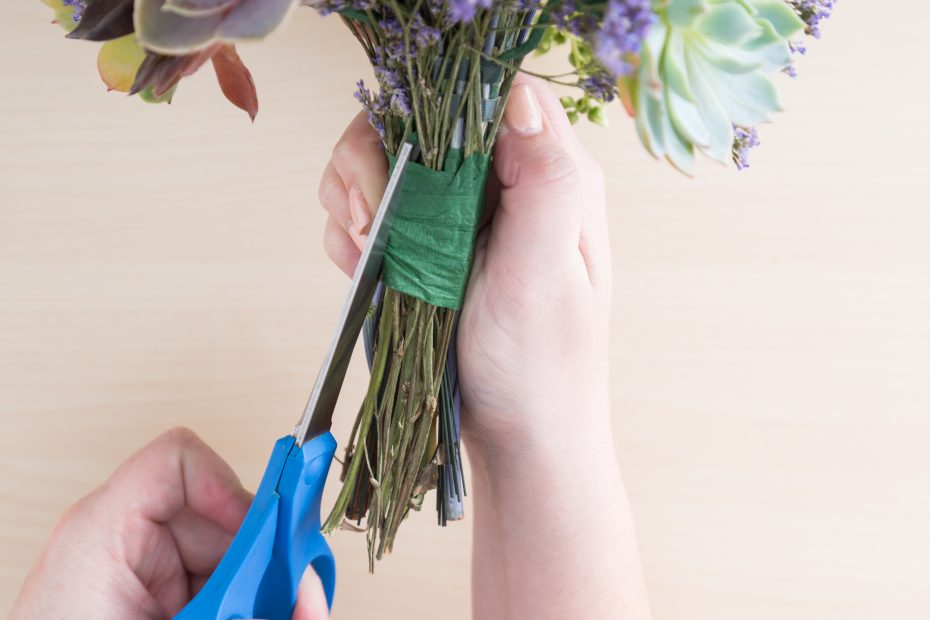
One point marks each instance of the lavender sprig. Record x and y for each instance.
(744, 140)
(79, 7)
(623, 29)
(813, 12)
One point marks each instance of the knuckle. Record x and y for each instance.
(330, 190)
(554, 169)
(347, 153)
(179, 436)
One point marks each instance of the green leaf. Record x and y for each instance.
(720, 127)
(782, 17)
(598, 116)
(683, 13)
(674, 74)
(686, 119)
(118, 63)
(149, 96)
(728, 23)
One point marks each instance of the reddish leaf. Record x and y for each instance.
(235, 80)
(162, 73)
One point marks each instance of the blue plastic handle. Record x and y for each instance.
(280, 537)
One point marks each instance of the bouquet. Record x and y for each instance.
(695, 76)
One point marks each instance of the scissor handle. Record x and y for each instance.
(280, 537)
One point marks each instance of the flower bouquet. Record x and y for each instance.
(695, 75)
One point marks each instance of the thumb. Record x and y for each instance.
(311, 599)
(536, 160)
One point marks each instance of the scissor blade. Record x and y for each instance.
(318, 414)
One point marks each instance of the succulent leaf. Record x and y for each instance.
(118, 62)
(168, 33)
(782, 17)
(682, 13)
(197, 8)
(180, 27)
(162, 73)
(149, 97)
(255, 19)
(235, 80)
(104, 20)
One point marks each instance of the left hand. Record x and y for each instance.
(141, 545)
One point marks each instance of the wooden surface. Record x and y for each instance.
(771, 337)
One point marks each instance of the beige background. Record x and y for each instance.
(771, 343)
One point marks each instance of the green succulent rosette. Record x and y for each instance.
(706, 67)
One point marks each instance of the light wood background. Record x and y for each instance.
(161, 266)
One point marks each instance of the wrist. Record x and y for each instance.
(570, 439)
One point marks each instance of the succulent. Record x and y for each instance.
(704, 69)
(150, 45)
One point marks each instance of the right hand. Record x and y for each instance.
(533, 337)
(144, 543)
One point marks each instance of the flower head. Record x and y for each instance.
(600, 86)
(813, 12)
(623, 29)
(465, 10)
(743, 141)
(78, 6)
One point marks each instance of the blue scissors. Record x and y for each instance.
(280, 537)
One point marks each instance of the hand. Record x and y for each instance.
(533, 337)
(141, 545)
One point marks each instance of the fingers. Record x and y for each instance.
(200, 542)
(551, 211)
(352, 186)
(339, 247)
(174, 472)
(311, 599)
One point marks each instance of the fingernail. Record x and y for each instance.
(523, 114)
(358, 209)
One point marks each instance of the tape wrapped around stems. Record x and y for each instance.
(432, 242)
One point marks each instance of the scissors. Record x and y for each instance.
(280, 536)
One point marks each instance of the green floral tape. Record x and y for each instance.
(432, 241)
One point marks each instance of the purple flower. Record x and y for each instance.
(600, 86)
(465, 10)
(626, 23)
(79, 6)
(372, 105)
(394, 95)
(743, 141)
(813, 12)
(393, 42)
(422, 34)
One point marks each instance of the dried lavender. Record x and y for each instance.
(744, 140)
(622, 30)
(813, 12)
(79, 7)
